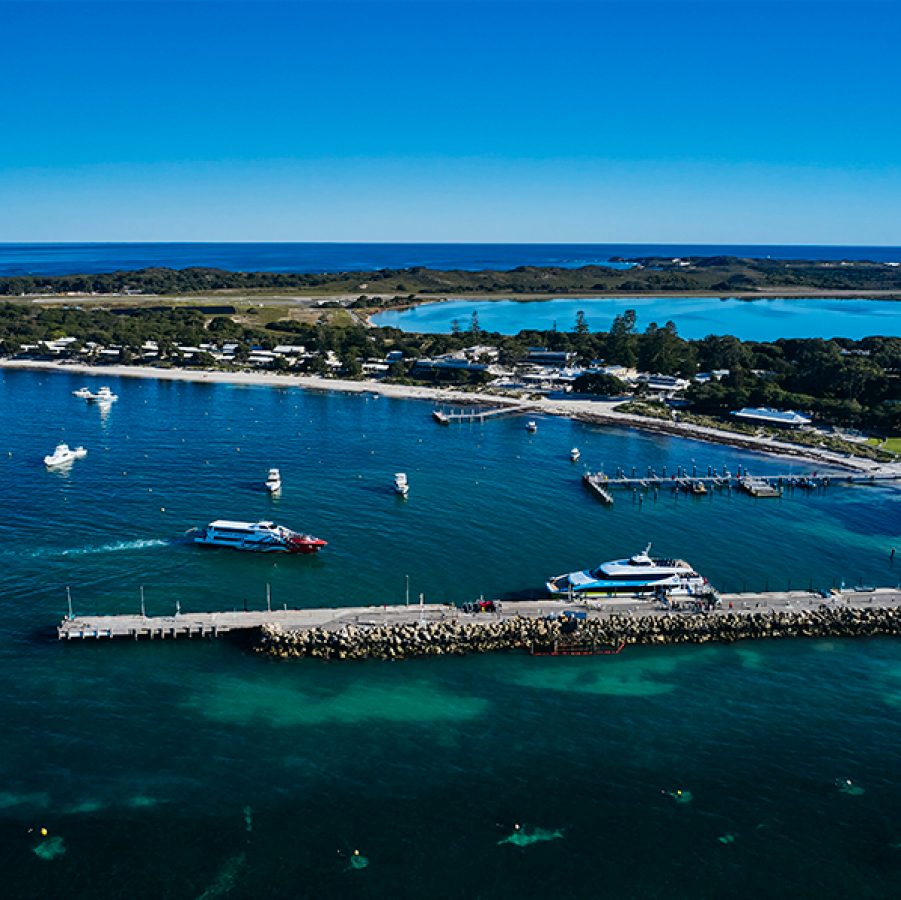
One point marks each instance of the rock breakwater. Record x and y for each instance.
(454, 636)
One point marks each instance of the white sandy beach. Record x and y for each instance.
(593, 411)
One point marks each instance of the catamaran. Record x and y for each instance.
(638, 574)
(263, 537)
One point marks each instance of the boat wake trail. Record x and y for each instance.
(142, 544)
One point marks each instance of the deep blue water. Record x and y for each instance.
(64, 259)
(195, 769)
(749, 320)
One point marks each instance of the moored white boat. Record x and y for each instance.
(274, 481)
(575, 454)
(531, 426)
(639, 574)
(84, 393)
(262, 537)
(64, 454)
(104, 395)
(401, 485)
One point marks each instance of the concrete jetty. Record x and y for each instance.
(394, 617)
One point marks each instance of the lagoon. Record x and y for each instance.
(751, 320)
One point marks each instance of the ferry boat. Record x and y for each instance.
(639, 574)
(274, 481)
(263, 537)
(575, 454)
(63, 455)
(401, 485)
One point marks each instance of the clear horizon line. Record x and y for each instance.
(458, 243)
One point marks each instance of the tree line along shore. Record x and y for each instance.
(840, 382)
(390, 287)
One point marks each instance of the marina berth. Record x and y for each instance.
(262, 537)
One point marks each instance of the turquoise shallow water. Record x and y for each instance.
(758, 320)
(198, 770)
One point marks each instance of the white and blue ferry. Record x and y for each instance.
(638, 574)
(263, 537)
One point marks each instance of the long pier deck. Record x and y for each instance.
(478, 414)
(215, 624)
(733, 480)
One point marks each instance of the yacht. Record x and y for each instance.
(64, 454)
(104, 395)
(263, 537)
(575, 454)
(84, 393)
(531, 427)
(274, 481)
(401, 485)
(638, 574)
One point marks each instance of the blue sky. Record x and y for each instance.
(716, 122)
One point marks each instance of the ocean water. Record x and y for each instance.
(195, 769)
(757, 320)
(66, 259)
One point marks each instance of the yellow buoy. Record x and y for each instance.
(44, 832)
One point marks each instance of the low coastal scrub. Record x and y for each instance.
(646, 274)
(879, 452)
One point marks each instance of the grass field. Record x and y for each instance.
(893, 445)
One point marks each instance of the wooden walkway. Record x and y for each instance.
(215, 624)
(478, 415)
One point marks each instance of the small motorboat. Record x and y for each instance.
(401, 485)
(274, 481)
(104, 395)
(83, 393)
(574, 454)
(64, 454)
(698, 487)
(531, 426)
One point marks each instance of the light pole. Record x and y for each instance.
(407, 588)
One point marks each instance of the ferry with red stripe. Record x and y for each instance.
(262, 537)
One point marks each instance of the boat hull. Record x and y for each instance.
(303, 545)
